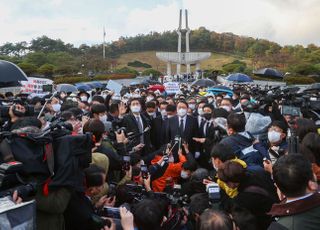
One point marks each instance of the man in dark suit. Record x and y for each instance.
(184, 126)
(80, 210)
(136, 123)
(158, 127)
(209, 135)
(151, 110)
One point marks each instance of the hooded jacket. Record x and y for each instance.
(173, 170)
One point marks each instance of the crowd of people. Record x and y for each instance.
(146, 160)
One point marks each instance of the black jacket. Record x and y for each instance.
(190, 131)
(129, 121)
(158, 131)
(78, 215)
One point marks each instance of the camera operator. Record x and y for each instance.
(96, 127)
(80, 210)
(217, 220)
(16, 112)
(198, 204)
(147, 214)
(54, 105)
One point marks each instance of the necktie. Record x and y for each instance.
(206, 128)
(181, 127)
(140, 129)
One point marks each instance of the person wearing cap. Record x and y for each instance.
(83, 95)
(277, 145)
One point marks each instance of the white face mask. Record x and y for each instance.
(210, 100)
(182, 112)
(151, 114)
(228, 108)
(200, 111)
(103, 118)
(163, 112)
(192, 106)
(135, 108)
(274, 136)
(169, 116)
(184, 175)
(84, 98)
(149, 99)
(56, 107)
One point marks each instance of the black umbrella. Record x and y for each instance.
(268, 72)
(313, 87)
(68, 88)
(10, 74)
(204, 83)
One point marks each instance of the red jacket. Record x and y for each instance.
(173, 171)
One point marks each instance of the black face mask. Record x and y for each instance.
(207, 116)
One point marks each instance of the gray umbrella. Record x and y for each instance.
(68, 88)
(10, 74)
(268, 72)
(204, 83)
(313, 87)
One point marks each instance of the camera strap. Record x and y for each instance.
(49, 157)
(6, 151)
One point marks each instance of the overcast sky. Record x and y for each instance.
(81, 21)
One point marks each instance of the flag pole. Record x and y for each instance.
(104, 43)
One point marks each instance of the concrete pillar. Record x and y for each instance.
(178, 69)
(188, 69)
(197, 66)
(168, 69)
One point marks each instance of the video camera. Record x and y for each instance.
(11, 180)
(4, 109)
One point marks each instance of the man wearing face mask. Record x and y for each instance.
(151, 110)
(98, 111)
(136, 123)
(209, 133)
(226, 104)
(192, 104)
(183, 126)
(199, 113)
(55, 105)
(277, 144)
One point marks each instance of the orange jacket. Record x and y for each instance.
(173, 171)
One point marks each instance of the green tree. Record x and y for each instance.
(60, 58)
(46, 69)
(64, 69)
(36, 58)
(304, 69)
(28, 68)
(127, 70)
(153, 72)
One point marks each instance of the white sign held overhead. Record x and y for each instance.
(115, 86)
(171, 87)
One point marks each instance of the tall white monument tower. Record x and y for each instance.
(183, 58)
